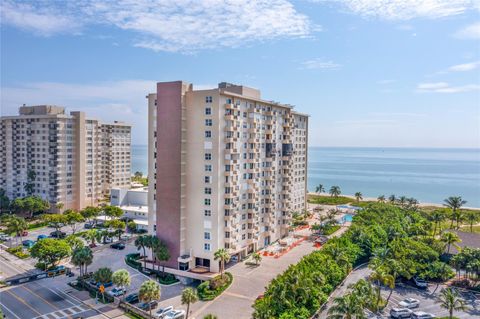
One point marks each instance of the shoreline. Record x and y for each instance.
(373, 199)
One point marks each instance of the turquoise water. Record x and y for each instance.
(347, 217)
(429, 175)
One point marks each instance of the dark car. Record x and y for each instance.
(105, 285)
(88, 226)
(132, 298)
(148, 305)
(28, 243)
(58, 234)
(118, 246)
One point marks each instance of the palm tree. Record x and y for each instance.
(162, 253)
(149, 291)
(472, 217)
(381, 199)
(380, 277)
(189, 296)
(16, 225)
(346, 307)
(449, 239)
(121, 278)
(454, 203)
(335, 191)
(392, 199)
(450, 299)
(82, 257)
(437, 216)
(358, 196)
(257, 257)
(224, 257)
(141, 243)
(319, 189)
(103, 276)
(92, 235)
(402, 200)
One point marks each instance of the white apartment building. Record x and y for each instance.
(227, 169)
(75, 160)
(134, 203)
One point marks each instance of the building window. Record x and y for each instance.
(208, 156)
(206, 235)
(207, 179)
(208, 111)
(206, 246)
(208, 168)
(208, 190)
(243, 236)
(207, 201)
(208, 122)
(208, 99)
(207, 213)
(208, 134)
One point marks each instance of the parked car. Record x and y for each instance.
(409, 303)
(28, 243)
(54, 224)
(105, 285)
(148, 305)
(88, 226)
(400, 313)
(5, 237)
(119, 246)
(175, 314)
(58, 234)
(116, 292)
(420, 283)
(125, 237)
(162, 311)
(41, 237)
(422, 315)
(132, 298)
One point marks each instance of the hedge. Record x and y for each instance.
(208, 290)
(18, 251)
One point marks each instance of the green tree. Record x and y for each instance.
(451, 300)
(114, 212)
(74, 242)
(257, 257)
(141, 242)
(454, 203)
(93, 236)
(73, 218)
(437, 217)
(189, 296)
(4, 201)
(346, 307)
(56, 220)
(103, 276)
(132, 227)
(30, 184)
(358, 196)
(210, 316)
(335, 191)
(50, 251)
(82, 257)
(319, 189)
(162, 253)
(138, 174)
(15, 225)
(90, 213)
(392, 199)
(380, 277)
(118, 225)
(29, 204)
(149, 291)
(449, 239)
(59, 206)
(121, 278)
(224, 257)
(381, 199)
(472, 217)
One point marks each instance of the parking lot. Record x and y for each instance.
(429, 302)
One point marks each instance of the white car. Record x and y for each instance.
(116, 292)
(409, 303)
(175, 314)
(5, 237)
(125, 236)
(400, 313)
(420, 283)
(162, 311)
(423, 315)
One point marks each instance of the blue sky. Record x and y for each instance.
(398, 73)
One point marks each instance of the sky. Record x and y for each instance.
(371, 73)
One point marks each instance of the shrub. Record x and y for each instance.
(18, 251)
(209, 290)
(166, 278)
(329, 200)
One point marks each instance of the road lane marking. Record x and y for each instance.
(22, 301)
(63, 298)
(48, 302)
(10, 311)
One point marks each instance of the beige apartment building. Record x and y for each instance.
(228, 170)
(75, 160)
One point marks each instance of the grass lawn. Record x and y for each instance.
(329, 200)
(466, 228)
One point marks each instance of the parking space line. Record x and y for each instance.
(10, 311)
(22, 301)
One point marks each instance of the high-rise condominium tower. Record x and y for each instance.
(228, 170)
(68, 159)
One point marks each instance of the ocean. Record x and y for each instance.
(429, 175)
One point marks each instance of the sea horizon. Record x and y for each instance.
(428, 174)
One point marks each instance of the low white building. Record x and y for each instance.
(134, 203)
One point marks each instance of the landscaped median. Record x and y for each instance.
(211, 289)
(18, 252)
(163, 278)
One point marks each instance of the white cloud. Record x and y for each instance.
(173, 25)
(319, 64)
(464, 67)
(407, 9)
(443, 87)
(469, 32)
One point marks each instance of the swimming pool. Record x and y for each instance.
(345, 218)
